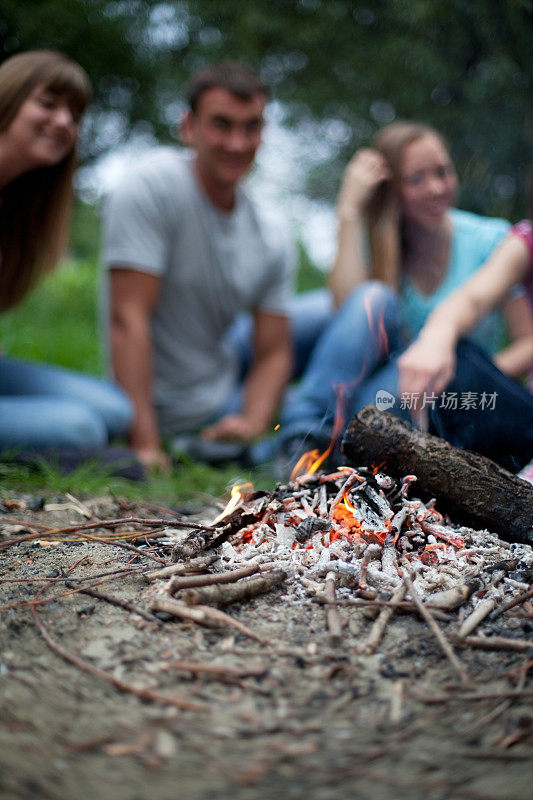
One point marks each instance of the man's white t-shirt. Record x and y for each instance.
(213, 265)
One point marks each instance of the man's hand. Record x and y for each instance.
(233, 427)
(153, 459)
(264, 385)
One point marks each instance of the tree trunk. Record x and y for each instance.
(479, 492)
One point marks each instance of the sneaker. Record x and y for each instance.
(210, 451)
(293, 451)
(119, 462)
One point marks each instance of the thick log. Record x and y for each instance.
(479, 492)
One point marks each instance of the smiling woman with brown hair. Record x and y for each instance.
(398, 228)
(42, 98)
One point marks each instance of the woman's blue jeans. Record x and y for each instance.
(494, 414)
(481, 409)
(354, 358)
(46, 406)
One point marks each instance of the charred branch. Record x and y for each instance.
(210, 537)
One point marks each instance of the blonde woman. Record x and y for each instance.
(42, 98)
(398, 226)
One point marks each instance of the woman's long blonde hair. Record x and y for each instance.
(383, 211)
(35, 208)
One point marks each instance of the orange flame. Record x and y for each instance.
(237, 492)
(308, 463)
(311, 461)
(349, 505)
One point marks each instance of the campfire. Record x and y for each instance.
(348, 537)
(362, 525)
(358, 539)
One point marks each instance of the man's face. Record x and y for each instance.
(225, 131)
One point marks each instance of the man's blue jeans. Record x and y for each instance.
(46, 406)
(309, 315)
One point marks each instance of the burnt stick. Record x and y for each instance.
(512, 603)
(250, 510)
(432, 625)
(189, 581)
(493, 643)
(194, 565)
(333, 618)
(381, 622)
(203, 615)
(225, 594)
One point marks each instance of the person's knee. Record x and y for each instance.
(117, 411)
(81, 425)
(373, 307)
(373, 296)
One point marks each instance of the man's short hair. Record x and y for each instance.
(239, 79)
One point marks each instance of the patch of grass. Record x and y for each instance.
(309, 276)
(57, 323)
(188, 482)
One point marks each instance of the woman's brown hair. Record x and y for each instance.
(383, 212)
(35, 207)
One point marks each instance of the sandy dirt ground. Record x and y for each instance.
(289, 716)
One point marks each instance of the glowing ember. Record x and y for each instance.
(361, 525)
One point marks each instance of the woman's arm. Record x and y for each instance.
(366, 170)
(429, 363)
(516, 360)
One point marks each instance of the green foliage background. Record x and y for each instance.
(340, 67)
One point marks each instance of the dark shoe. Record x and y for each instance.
(118, 462)
(208, 451)
(293, 451)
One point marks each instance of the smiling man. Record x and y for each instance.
(187, 250)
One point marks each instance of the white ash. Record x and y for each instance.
(173, 536)
(390, 526)
(442, 555)
(379, 579)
